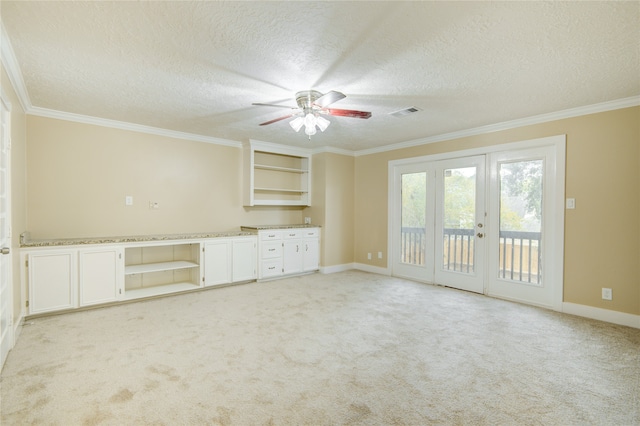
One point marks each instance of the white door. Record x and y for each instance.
(522, 254)
(460, 227)
(100, 275)
(6, 294)
(217, 259)
(292, 257)
(244, 259)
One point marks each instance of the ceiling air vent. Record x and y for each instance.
(405, 111)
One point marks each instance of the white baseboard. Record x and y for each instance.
(607, 315)
(337, 268)
(372, 269)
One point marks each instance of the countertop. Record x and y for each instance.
(28, 243)
(267, 227)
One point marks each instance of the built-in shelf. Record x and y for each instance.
(156, 267)
(279, 169)
(158, 290)
(276, 175)
(161, 268)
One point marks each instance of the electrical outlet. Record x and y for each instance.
(128, 200)
(379, 255)
(369, 256)
(307, 221)
(607, 294)
(153, 205)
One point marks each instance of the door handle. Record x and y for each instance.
(480, 234)
(5, 250)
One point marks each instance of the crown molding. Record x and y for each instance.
(506, 125)
(332, 150)
(10, 64)
(122, 125)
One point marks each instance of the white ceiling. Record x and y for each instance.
(196, 67)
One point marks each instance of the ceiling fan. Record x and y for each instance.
(311, 106)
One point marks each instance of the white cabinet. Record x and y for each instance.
(217, 262)
(100, 275)
(52, 280)
(228, 260)
(276, 175)
(288, 252)
(69, 277)
(244, 259)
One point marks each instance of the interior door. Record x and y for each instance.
(459, 223)
(6, 298)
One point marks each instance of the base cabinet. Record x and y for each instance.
(288, 252)
(100, 276)
(229, 260)
(52, 281)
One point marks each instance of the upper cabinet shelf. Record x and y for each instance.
(276, 175)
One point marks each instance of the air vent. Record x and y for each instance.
(405, 111)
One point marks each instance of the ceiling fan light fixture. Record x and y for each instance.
(297, 123)
(322, 123)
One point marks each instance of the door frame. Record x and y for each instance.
(558, 143)
(5, 127)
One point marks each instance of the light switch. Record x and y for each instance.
(571, 203)
(128, 200)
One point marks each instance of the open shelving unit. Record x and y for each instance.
(161, 269)
(276, 175)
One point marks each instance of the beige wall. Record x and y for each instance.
(79, 175)
(602, 174)
(18, 187)
(333, 206)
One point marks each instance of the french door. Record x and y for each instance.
(491, 223)
(441, 209)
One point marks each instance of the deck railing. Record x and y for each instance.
(519, 257)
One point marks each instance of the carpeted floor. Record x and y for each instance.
(347, 348)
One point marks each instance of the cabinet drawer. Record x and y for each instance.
(314, 232)
(271, 268)
(271, 250)
(292, 233)
(271, 235)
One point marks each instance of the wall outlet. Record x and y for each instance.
(369, 256)
(607, 294)
(307, 221)
(571, 203)
(153, 205)
(128, 200)
(379, 255)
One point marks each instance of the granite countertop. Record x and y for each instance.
(28, 243)
(266, 227)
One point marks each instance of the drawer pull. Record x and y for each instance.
(272, 249)
(272, 235)
(271, 268)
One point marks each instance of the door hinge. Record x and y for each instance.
(27, 303)
(202, 279)
(120, 290)
(203, 249)
(26, 263)
(119, 255)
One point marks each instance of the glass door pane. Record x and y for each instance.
(413, 218)
(520, 238)
(459, 219)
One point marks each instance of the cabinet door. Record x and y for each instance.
(244, 259)
(311, 254)
(217, 262)
(52, 281)
(292, 257)
(101, 276)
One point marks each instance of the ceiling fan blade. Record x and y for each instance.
(276, 119)
(274, 105)
(348, 113)
(329, 98)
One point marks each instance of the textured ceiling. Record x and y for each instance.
(196, 67)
